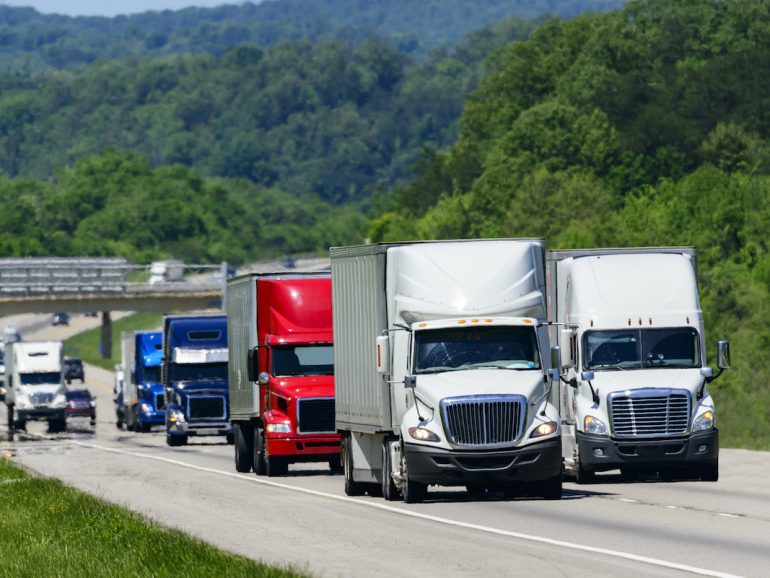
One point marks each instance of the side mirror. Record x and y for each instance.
(383, 354)
(253, 364)
(556, 357)
(587, 375)
(567, 340)
(264, 378)
(553, 373)
(707, 372)
(410, 381)
(723, 354)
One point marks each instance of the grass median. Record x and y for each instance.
(86, 344)
(49, 529)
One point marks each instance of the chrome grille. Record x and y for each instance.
(650, 412)
(206, 407)
(484, 420)
(316, 415)
(41, 398)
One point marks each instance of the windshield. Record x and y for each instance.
(198, 371)
(475, 347)
(638, 348)
(151, 373)
(303, 360)
(40, 378)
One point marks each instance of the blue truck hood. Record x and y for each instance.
(198, 385)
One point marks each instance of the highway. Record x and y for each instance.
(615, 527)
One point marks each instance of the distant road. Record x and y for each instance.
(613, 528)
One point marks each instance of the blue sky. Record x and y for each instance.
(111, 7)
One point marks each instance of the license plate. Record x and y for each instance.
(207, 431)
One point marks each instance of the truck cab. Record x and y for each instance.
(442, 364)
(282, 371)
(143, 394)
(35, 386)
(194, 374)
(634, 390)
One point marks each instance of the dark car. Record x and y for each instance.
(73, 369)
(61, 319)
(80, 403)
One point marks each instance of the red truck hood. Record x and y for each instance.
(303, 386)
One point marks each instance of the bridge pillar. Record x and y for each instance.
(106, 342)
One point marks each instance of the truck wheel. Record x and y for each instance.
(57, 425)
(10, 418)
(259, 464)
(276, 466)
(710, 472)
(335, 465)
(176, 441)
(582, 475)
(244, 452)
(412, 492)
(389, 490)
(549, 489)
(352, 488)
(143, 427)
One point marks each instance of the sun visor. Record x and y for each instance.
(188, 355)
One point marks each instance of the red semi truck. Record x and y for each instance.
(281, 371)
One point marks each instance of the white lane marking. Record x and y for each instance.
(409, 513)
(629, 500)
(726, 515)
(673, 507)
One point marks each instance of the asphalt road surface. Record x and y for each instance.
(615, 527)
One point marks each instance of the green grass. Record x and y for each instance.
(49, 529)
(86, 344)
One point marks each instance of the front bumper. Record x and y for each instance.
(155, 418)
(306, 448)
(216, 428)
(429, 465)
(600, 453)
(40, 413)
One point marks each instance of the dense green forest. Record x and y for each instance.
(33, 42)
(646, 126)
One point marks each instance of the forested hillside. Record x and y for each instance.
(321, 119)
(642, 127)
(33, 42)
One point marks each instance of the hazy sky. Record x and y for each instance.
(111, 7)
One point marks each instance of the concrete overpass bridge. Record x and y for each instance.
(49, 285)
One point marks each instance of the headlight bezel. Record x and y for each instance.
(423, 434)
(544, 429)
(705, 421)
(594, 426)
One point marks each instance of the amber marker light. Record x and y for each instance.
(461, 321)
(488, 320)
(528, 321)
(423, 325)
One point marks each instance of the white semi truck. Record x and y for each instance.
(34, 381)
(441, 362)
(633, 393)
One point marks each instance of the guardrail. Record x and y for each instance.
(68, 276)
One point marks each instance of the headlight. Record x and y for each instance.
(704, 421)
(176, 416)
(423, 435)
(278, 427)
(544, 429)
(145, 407)
(594, 425)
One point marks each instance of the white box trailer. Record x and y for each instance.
(441, 368)
(35, 386)
(633, 393)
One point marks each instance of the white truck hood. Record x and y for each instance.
(611, 381)
(433, 387)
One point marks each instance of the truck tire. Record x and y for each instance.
(56, 425)
(412, 492)
(549, 489)
(389, 490)
(352, 488)
(276, 466)
(244, 452)
(259, 463)
(176, 441)
(143, 427)
(582, 475)
(335, 465)
(10, 417)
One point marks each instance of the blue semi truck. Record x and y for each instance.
(143, 397)
(194, 374)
